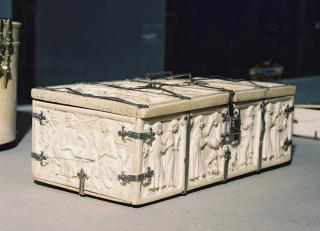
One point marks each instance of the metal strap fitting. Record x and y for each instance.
(227, 156)
(39, 157)
(136, 135)
(188, 118)
(286, 144)
(123, 178)
(263, 110)
(82, 179)
(40, 117)
(288, 110)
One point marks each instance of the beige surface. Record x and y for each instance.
(161, 102)
(286, 198)
(307, 122)
(75, 138)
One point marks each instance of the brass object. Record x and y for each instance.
(6, 50)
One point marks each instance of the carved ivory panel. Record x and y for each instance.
(71, 139)
(210, 154)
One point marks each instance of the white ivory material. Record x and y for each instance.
(307, 121)
(74, 138)
(8, 94)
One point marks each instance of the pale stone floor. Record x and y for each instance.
(286, 198)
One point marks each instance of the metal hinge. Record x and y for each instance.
(287, 110)
(136, 135)
(82, 179)
(286, 144)
(40, 117)
(123, 178)
(227, 156)
(39, 157)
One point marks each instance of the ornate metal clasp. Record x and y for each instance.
(39, 157)
(82, 179)
(40, 117)
(123, 178)
(135, 135)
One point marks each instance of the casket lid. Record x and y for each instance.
(145, 98)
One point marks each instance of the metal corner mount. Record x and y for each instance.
(123, 178)
(39, 157)
(136, 135)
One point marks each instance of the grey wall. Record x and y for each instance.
(100, 40)
(5, 8)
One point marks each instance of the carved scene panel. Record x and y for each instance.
(71, 141)
(164, 154)
(277, 140)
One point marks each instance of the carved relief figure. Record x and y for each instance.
(157, 149)
(277, 130)
(64, 157)
(267, 153)
(198, 141)
(246, 146)
(172, 147)
(214, 142)
(106, 168)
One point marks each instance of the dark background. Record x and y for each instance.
(74, 40)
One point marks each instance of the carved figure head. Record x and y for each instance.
(157, 128)
(250, 111)
(70, 120)
(104, 126)
(199, 121)
(174, 126)
(54, 118)
(215, 118)
(277, 108)
(269, 108)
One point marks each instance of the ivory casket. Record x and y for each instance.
(138, 141)
(9, 44)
